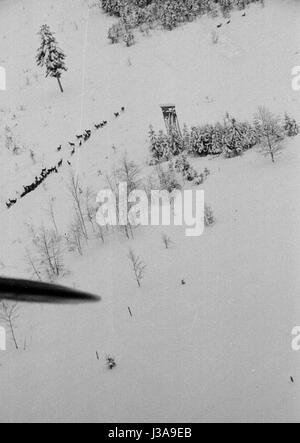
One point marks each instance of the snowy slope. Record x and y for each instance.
(216, 349)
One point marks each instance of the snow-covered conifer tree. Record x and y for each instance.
(50, 55)
(290, 126)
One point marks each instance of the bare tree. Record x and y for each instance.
(9, 314)
(269, 131)
(127, 172)
(77, 194)
(51, 213)
(75, 236)
(49, 252)
(33, 266)
(91, 210)
(138, 267)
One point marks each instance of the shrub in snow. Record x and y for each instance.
(183, 166)
(242, 4)
(138, 267)
(116, 32)
(50, 55)
(167, 177)
(128, 38)
(169, 14)
(236, 137)
(209, 218)
(10, 141)
(167, 241)
(291, 127)
(110, 362)
(113, 7)
(32, 156)
(215, 37)
(176, 142)
(202, 140)
(164, 146)
(159, 146)
(200, 179)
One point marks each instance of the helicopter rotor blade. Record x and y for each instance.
(29, 291)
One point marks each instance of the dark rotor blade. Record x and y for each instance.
(38, 292)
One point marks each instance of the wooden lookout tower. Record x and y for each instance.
(170, 117)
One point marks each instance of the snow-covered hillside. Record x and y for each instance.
(216, 349)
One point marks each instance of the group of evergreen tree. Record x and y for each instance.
(165, 13)
(229, 138)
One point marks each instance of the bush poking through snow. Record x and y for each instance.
(32, 156)
(215, 37)
(167, 177)
(291, 127)
(209, 218)
(113, 7)
(10, 141)
(167, 241)
(128, 38)
(116, 33)
(110, 363)
(138, 267)
(164, 146)
(183, 166)
(237, 137)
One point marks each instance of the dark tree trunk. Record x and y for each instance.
(60, 85)
(273, 157)
(13, 334)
